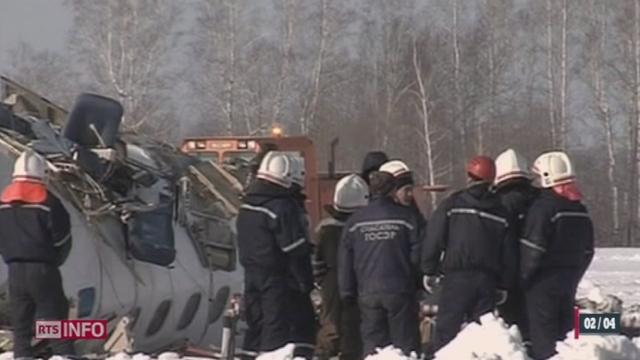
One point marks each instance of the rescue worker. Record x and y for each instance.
(556, 249)
(372, 162)
(276, 255)
(472, 228)
(34, 228)
(301, 311)
(513, 186)
(339, 333)
(378, 183)
(378, 262)
(254, 164)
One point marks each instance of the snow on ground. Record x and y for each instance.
(597, 347)
(489, 340)
(493, 340)
(615, 271)
(391, 353)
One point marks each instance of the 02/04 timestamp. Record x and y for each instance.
(605, 323)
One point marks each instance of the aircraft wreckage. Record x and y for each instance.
(152, 228)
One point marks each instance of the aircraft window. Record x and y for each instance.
(159, 317)
(86, 300)
(217, 306)
(190, 310)
(151, 234)
(134, 315)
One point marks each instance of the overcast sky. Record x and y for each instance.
(42, 24)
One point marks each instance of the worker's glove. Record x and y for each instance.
(501, 296)
(429, 282)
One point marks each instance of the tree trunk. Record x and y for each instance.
(456, 81)
(550, 74)
(424, 112)
(635, 149)
(563, 79)
(602, 105)
(312, 104)
(286, 59)
(230, 83)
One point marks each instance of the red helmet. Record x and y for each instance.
(482, 168)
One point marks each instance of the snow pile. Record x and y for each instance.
(391, 353)
(284, 353)
(489, 340)
(597, 347)
(492, 339)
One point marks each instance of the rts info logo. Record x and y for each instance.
(71, 329)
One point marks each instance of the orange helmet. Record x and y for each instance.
(482, 168)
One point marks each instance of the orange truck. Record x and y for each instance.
(235, 152)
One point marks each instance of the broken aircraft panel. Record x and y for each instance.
(152, 227)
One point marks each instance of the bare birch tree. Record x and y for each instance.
(563, 77)
(287, 57)
(635, 185)
(45, 72)
(310, 107)
(599, 84)
(551, 74)
(423, 110)
(126, 46)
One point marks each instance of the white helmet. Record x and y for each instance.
(351, 193)
(554, 168)
(276, 167)
(510, 165)
(298, 171)
(30, 166)
(395, 168)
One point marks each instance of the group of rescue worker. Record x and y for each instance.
(513, 241)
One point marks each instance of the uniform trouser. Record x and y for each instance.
(266, 301)
(465, 296)
(514, 311)
(389, 319)
(350, 339)
(340, 323)
(550, 301)
(302, 323)
(36, 289)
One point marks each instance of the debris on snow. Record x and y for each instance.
(591, 299)
(492, 339)
(391, 353)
